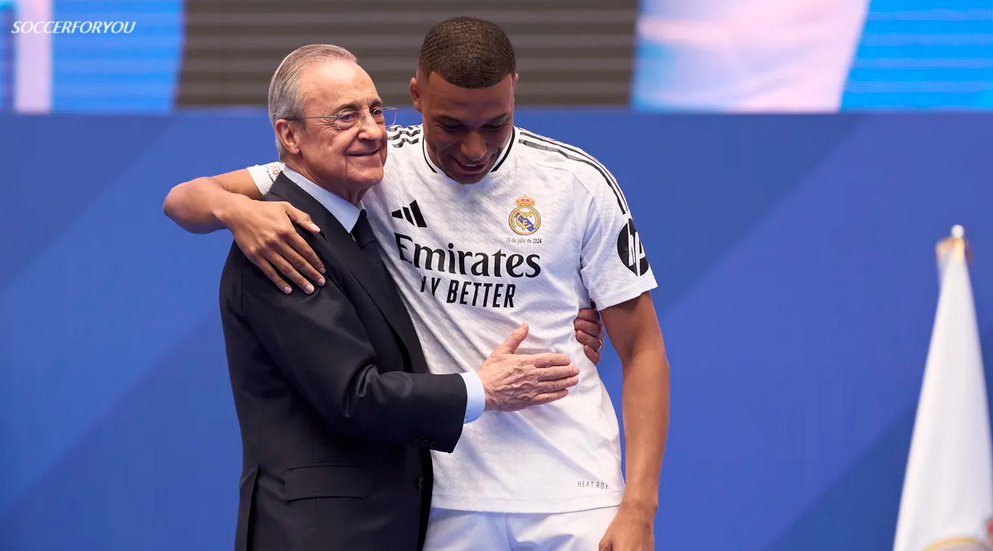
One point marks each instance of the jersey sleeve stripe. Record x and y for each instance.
(397, 131)
(398, 135)
(589, 159)
(398, 143)
(572, 157)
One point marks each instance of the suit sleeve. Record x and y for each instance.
(321, 345)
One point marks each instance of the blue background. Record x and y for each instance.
(923, 54)
(131, 72)
(797, 293)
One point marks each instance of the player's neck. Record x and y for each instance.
(500, 156)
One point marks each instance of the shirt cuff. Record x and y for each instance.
(475, 396)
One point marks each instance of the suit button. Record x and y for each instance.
(420, 483)
(434, 444)
(417, 441)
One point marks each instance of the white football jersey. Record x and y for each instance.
(544, 232)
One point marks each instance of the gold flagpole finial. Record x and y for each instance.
(955, 243)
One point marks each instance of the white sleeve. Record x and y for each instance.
(265, 175)
(614, 266)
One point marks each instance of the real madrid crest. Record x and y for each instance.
(525, 220)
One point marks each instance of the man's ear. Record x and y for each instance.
(289, 135)
(415, 93)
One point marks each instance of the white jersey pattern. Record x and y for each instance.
(544, 232)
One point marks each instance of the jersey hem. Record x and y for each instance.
(525, 505)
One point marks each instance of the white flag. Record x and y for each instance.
(947, 500)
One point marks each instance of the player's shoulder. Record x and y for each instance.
(553, 154)
(405, 148)
(549, 146)
(400, 137)
(550, 154)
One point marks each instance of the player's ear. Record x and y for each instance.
(415, 93)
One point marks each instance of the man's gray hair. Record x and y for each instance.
(284, 89)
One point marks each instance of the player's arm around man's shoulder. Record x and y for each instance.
(634, 331)
(263, 230)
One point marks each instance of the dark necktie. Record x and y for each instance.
(366, 240)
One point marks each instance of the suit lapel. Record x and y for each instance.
(383, 294)
(341, 245)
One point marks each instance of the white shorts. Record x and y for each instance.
(474, 531)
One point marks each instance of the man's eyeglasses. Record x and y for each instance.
(348, 119)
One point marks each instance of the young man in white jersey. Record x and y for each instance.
(485, 225)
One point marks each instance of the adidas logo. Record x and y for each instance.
(411, 214)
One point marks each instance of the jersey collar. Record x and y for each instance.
(501, 165)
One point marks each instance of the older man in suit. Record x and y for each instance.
(336, 406)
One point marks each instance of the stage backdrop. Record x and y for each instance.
(797, 292)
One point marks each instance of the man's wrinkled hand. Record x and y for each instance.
(514, 381)
(265, 232)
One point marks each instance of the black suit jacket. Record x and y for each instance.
(336, 408)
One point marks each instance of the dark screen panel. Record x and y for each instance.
(569, 52)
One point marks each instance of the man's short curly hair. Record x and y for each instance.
(467, 52)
